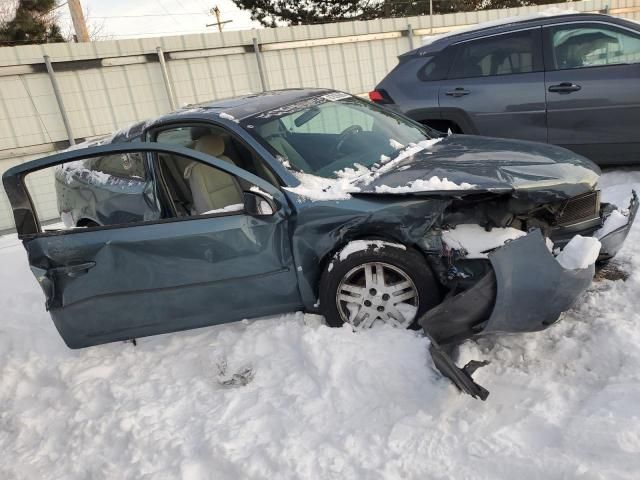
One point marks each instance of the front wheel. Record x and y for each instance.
(371, 281)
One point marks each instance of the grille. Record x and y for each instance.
(579, 209)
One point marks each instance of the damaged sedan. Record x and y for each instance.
(313, 200)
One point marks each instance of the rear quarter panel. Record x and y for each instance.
(417, 99)
(83, 194)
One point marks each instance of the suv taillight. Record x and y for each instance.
(380, 96)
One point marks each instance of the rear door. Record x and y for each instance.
(593, 89)
(495, 86)
(120, 281)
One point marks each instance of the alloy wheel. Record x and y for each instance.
(377, 292)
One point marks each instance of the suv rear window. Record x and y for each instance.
(499, 55)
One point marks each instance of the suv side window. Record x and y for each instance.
(497, 55)
(591, 45)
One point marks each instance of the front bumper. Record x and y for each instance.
(526, 292)
(612, 242)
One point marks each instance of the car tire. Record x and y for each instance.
(353, 268)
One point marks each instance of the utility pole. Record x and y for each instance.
(77, 17)
(216, 11)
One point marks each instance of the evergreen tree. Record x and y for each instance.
(271, 13)
(33, 23)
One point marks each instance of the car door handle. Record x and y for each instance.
(565, 87)
(458, 92)
(74, 270)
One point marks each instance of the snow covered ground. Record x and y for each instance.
(321, 403)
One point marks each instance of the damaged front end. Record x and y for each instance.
(519, 286)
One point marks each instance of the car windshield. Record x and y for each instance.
(325, 134)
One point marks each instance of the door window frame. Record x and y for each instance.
(537, 52)
(26, 216)
(547, 43)
(150, 135)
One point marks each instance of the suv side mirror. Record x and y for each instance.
(258, 204)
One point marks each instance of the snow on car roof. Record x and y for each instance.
(549, 12)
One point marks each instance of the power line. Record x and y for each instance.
(150, 15)
(168, 13)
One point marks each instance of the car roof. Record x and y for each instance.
(436, 43)
(230, 109)
(249, 105)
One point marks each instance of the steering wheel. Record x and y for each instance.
(346, 133)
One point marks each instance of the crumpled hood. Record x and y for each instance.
(526, 169)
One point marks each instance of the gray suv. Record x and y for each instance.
(570, 80)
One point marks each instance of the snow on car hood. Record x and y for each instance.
(480, 164)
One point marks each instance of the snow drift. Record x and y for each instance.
(321, 403)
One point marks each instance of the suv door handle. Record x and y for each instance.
(565, 87)
(458, 92)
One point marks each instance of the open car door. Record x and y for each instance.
(121, 281)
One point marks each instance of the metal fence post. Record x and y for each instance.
(256, 48)
(56, 92)
(165, 77)
(410, 35)
(431, 16)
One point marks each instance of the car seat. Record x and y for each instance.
(274, 133)
(212, 189)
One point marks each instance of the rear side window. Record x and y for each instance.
(130, 165)
(435, 67)
(498, 55)
(592, 45)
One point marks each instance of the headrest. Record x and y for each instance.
(210, 144)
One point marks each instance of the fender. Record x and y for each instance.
(460, 118)
(454, 115)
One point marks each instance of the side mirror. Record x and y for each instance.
(259, 204)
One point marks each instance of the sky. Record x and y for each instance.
(117, 19)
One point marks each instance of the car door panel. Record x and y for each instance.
(509, 105)
(599, 116)
(126, 281)
(151, 279)
(606, 109)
